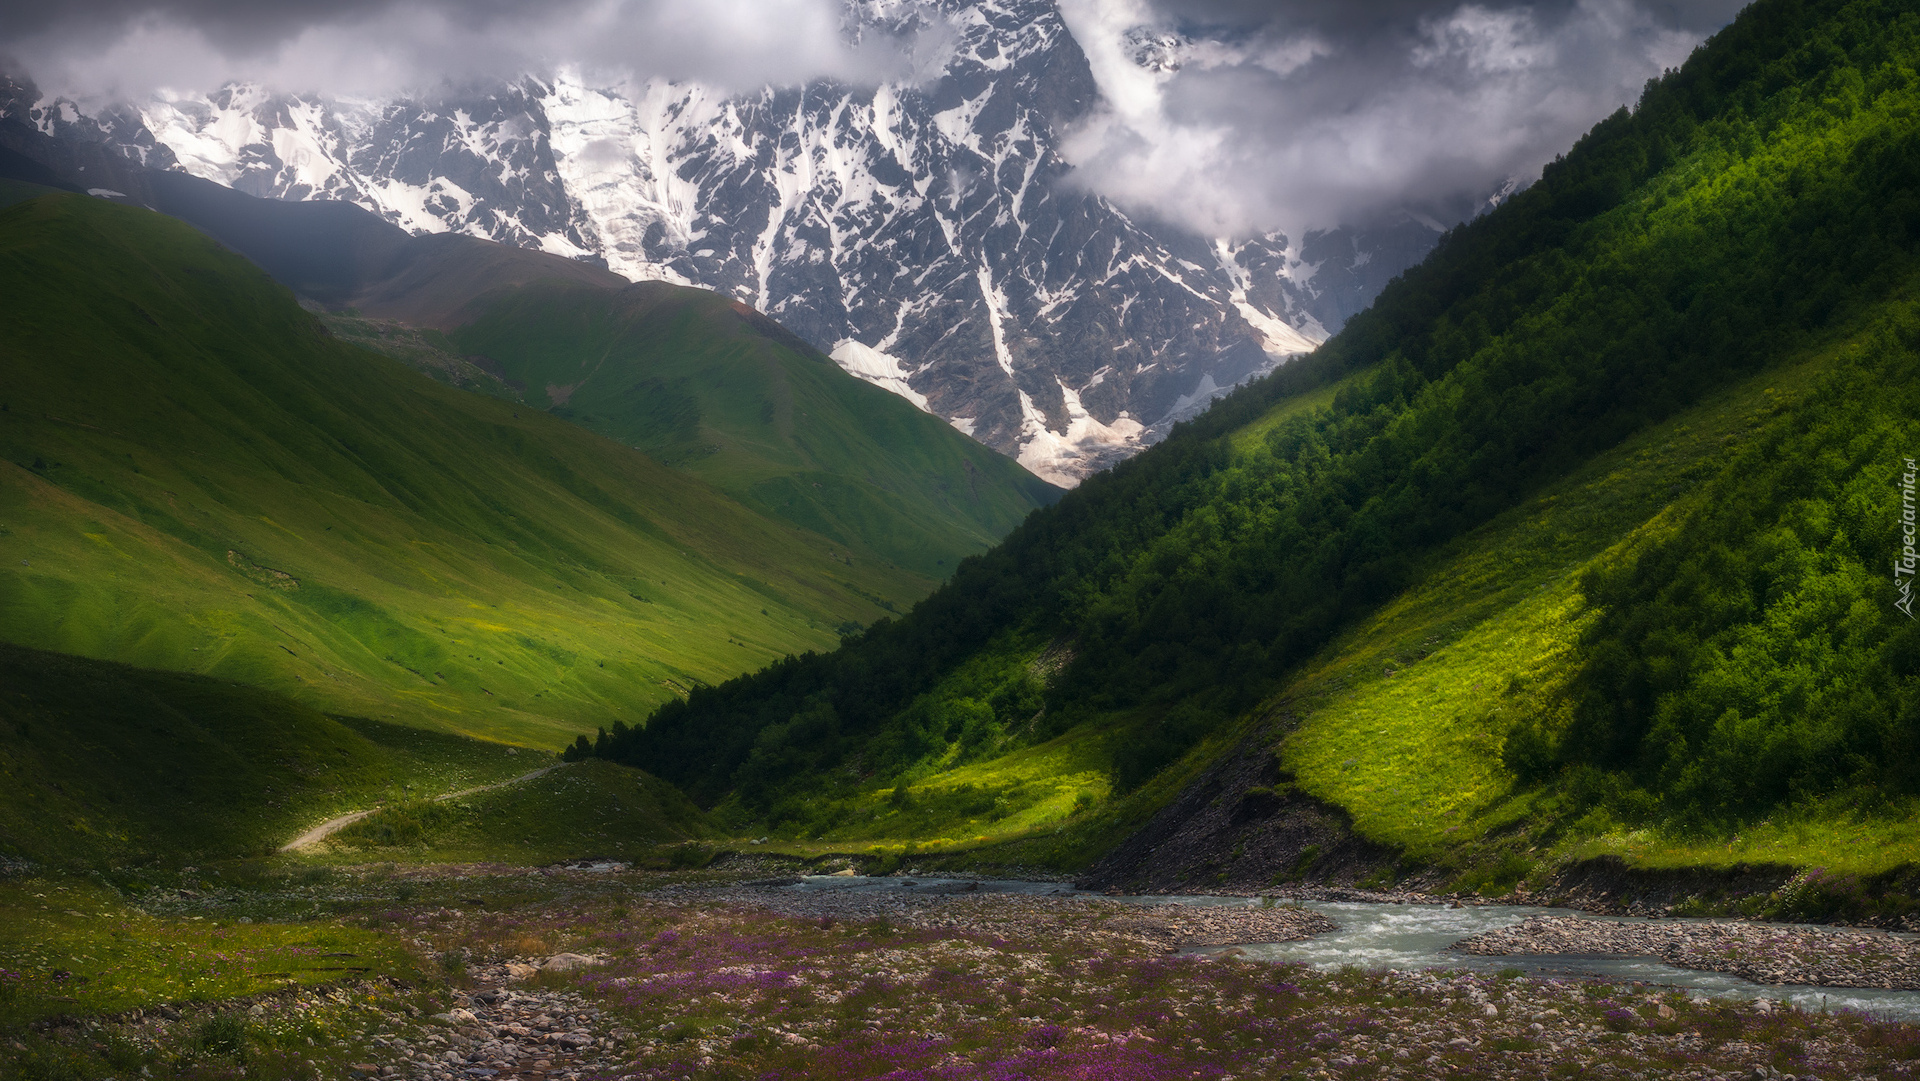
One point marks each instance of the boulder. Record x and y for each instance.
(567, 962)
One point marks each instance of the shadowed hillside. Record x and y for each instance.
(197, 477)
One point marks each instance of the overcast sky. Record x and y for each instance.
(1253, 115)
(1303, 112)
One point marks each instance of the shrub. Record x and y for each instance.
(223, 1035)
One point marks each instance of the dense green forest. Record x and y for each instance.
(1753, 655)
(1759, 196)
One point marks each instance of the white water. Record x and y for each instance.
(1377, 936)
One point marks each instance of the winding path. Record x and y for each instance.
(334, 825)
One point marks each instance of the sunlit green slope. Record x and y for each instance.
(1490, 468)
(709, 386)
(197, 477)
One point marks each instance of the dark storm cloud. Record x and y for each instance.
(1236, 116)
(1375, 17)
(129, 48)
(1231, 116)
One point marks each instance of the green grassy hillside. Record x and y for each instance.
(585, 810)
(195, 476)
(1460, 536)
(1436, 722)
(109, 765)
(711, 387)
(702, 383)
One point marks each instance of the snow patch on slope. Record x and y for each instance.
(1066, 458)
(613, 156)
(881, 369)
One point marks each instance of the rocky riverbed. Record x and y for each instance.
(784, 984)
(1818, 957)
(595, 975)
(502, 1031)
(956, 906)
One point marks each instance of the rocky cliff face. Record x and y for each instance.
(927, 234)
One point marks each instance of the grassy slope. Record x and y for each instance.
(1406, 712)
(113, 767)
(196, 477)
(591, 809)
(19, 191)
(107, 764)
(425, 351)
(706, 385)
(121, 958)
(1401, 721)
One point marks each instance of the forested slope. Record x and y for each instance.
(1758, 205)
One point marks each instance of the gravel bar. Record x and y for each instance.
(1815, 957)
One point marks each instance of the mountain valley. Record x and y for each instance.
(568, 579)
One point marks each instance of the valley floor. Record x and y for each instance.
(600, 970)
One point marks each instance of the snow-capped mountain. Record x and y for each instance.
(926, 234)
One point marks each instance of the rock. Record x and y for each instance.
(364, 1069)
(568, 962)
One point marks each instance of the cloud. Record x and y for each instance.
(1228, 116)
(1236, 118)
(119, 48)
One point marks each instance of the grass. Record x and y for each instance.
(80, 948)
(1402, 722)
(132, 773)
(707, 385)
(1031, 790)
(109, 766)
(427, 351)
(591, 809)
(1048, 808)
(1834, 835)
(19, 191)
(195, 476)
(1252, 435)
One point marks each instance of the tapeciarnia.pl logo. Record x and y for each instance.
(1903, 567)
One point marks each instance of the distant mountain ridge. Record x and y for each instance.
(703, 384)
(927, 236)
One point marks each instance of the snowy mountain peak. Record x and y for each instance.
(925, 233)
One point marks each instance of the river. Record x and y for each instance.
(1414, 936)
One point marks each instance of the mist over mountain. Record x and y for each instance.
(1053, 225)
